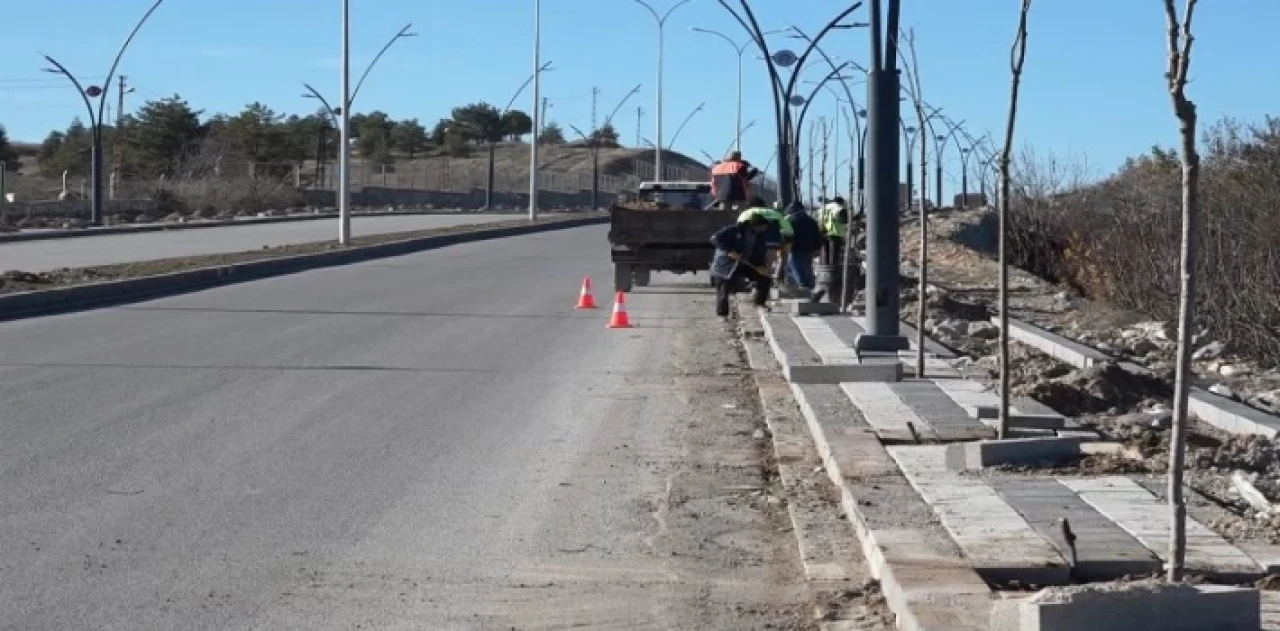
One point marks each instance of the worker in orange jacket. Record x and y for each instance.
(731, 181)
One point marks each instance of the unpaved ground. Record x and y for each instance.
(18, 281)
(1132, 409)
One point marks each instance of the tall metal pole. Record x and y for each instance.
(883, 163)
(344, 132)
(662, 22)
(96, 207)
(737, 123)
(537, 96)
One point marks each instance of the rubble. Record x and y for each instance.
(1133, 410)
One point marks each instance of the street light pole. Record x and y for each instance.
(344, 132)
(489, 180)
(662, 22)
(96, 204)
(941, 148)
(883, 247)
(342, 118)
(740, 49)
(537, 118)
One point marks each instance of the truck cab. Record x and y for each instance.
(675, 195)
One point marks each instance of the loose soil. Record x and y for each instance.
(1132, 409)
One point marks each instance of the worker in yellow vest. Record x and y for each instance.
(833, 219)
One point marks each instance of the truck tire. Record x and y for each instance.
(622, 277)
(641, 277)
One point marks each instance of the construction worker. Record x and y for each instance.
(806, 239)
(833, 219)
(731, 181)
(780, 229)
(741, 254)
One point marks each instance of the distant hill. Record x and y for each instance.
(514, 157)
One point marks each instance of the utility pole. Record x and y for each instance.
(595, 97)
(545, 105)
(639, 124)
(119, 137)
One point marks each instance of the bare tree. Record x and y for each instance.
(912, 69)
(1180, 39)
(1017, 55)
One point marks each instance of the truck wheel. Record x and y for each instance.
(621, 277)
(641, 277)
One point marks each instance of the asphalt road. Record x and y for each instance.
(49, 254)
(431, 441)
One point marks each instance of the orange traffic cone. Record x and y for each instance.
(619, 320)
(585, 301)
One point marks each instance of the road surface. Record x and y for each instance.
(49, 254)
(431, 441)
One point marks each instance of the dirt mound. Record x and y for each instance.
(1105, 387)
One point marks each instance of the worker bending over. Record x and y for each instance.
(741, 255)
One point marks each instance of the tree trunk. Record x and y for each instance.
(1185, 111)
(1018, 56)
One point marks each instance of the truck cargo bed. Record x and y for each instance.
(666, 228)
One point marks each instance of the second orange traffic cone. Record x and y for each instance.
(619, 320)
(585, 300)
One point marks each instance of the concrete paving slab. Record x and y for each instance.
(1143, 515)
(801, 363)
(927, 582)
(885, 411)
(847, 328)
(829, 347)
(787, 342)
(983, 404)
(1104, 551)
(931, 404)
(849, 446)
(1146, 606)
(997, 540)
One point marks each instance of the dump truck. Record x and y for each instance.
(664, 227)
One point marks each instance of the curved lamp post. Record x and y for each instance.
(95, 117)
(490, 177)
(341, 116)
(593, 142)
(740, 49)
(686, 122)
(661, 19)
(782, 92)
(940, 146)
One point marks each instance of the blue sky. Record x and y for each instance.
(1093, 86)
